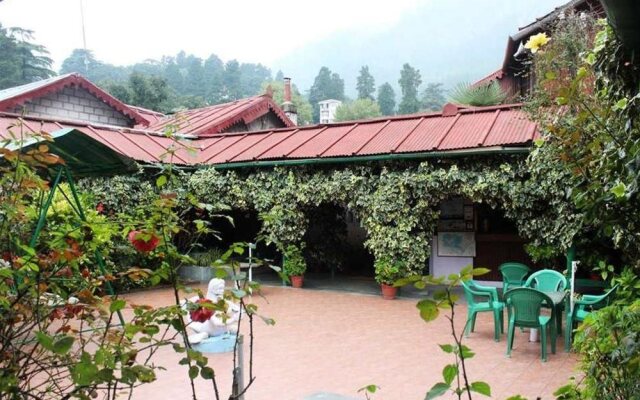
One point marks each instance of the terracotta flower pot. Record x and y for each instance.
(297, 281)
(388, 292)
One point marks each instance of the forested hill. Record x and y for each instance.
(448, 41)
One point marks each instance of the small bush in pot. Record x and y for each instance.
(387, 272)
(294, 265)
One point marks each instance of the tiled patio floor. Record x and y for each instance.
(326, 341)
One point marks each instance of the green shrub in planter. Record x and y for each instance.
(294, 262)
(388, 271)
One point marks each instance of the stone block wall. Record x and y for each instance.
(75, 103)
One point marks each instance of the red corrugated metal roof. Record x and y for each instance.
(16, 96)
(215, 119)
(458, 128)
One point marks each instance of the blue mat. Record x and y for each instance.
(217, 344)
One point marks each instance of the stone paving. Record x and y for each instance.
(328, 343)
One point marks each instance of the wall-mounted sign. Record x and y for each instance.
(456, 244)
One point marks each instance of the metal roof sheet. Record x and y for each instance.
(457, 128)
(215, 119)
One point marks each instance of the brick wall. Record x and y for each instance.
(75, 103)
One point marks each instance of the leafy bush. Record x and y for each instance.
(294, 262)
(609, 342)
(207, 258)
(466, 94)
(388, 271)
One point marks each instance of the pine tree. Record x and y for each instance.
(22, 61)
(366, 85)
(433, 97)
(327, 85)
(409, 81)
(386, 99)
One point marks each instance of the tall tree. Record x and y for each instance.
(251, 78)
(366, 85)
(279, 76)
(213, 71)
(409, 81)
(21, 60)
(433, 97)
(387, 99)
(194, 77)
(326, 85)
(150, 92)
(85, 63)
(357, 109)
(231, 80)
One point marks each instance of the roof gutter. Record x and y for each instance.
(498, 150)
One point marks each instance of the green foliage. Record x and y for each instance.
(388, 271)
(490, 94)
(191, 81)
(587, 106)
(22, 60)
(207, 258)
(366, 85)
(387, 99)
(326, 85)
(609, 342)
(410, 80)
(294, 262)
(433, 97)
(357, 109)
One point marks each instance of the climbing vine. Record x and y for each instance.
(396, 203)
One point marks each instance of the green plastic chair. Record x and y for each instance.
(524, 305)
(548, 280)
(513, 274)
(490, 303)
(582, 308)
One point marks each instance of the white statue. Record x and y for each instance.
(220, 322)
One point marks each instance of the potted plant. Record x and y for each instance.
(294, 265)
(201, 270)
(387, 272)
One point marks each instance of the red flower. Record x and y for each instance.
(136, 238)
(201, 314)
(100, 208)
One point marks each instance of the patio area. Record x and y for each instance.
(329, 342)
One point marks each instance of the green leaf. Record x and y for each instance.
(550, 75)
(117, 305)
(480, 271)
(428, 309)
(561, 101)
(369, 389)
(45, 340)
(161, 181)
(481, 387)
(466, 352)
(63, 345)
(582, 72)
(193, 372)
(447, 348)
(207, 373)
(619, 189)
(449, 373)
(437, 390)
(621, 104)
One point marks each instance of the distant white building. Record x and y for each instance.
(328, 110)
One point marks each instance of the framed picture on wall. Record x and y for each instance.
(456, 244)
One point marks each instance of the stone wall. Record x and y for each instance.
(74, 103)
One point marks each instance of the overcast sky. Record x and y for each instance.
(123, 32)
